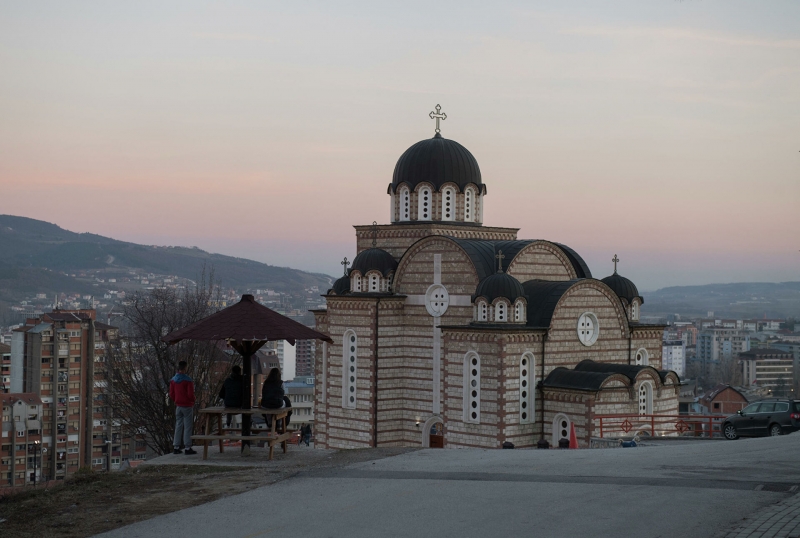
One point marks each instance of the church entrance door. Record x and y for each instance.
(437, 436)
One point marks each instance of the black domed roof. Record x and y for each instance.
(436, 161)
(374, 259)
(499, 285)
(623, 287)
(341, 286)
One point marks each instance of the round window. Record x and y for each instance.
(588, 328)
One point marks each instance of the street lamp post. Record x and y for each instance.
(37, 446)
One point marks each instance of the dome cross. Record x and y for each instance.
(438, 115)
(345, 263)
(500, 257)
(615, 259)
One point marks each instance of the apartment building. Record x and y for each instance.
(5, 368)
(304, 358)
(673, 356)
(715, 344)
(60, 357)
(21, 447)
(301, 393)
(768, 368)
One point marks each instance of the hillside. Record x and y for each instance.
(38, 257)
(739, 300)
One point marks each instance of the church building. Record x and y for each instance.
(449, 333)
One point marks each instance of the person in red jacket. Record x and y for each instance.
(181, 391)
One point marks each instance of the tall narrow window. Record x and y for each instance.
(646, 398)
(527, 388)
(472, 388)
(634, 311)
(469, 204)
(349, 369)
(405, 204)
(448, 203)
(374, 283)
(482, 313)
(425, 204)
(500, 312)
(519, 312)
(356, 283)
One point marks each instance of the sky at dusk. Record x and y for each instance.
(665, 132)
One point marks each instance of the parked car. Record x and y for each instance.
(773, 416)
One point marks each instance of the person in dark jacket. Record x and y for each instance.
(306, 430)
(231, 392)
(272, 395)
(181, 391)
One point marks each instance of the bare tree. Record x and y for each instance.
(141, 365)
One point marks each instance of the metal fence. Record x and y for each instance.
(614, 426)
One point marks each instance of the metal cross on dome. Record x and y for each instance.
(615, 260)
(374, 233)
(345, 263)
(500, 259)
(438, 115)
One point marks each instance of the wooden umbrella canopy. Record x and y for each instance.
(246, 326)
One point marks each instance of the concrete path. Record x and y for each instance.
(695, 489)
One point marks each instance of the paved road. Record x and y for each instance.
(696, 489)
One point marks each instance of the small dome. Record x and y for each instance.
(341, 286)
(436, 161)
(624, 288)
(499, 285)
(374, 259)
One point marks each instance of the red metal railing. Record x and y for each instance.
(659, 425)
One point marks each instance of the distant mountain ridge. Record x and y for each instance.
(737, 300)
(34, 253)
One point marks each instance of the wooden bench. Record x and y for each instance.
(272, 437)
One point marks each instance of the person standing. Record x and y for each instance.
(181, 391)
(307, 434)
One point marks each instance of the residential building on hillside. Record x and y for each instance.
(673, 356)
(771, 369)
(60, 357)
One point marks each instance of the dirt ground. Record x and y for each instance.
(90, 503)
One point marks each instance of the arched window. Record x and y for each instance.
(519, 312)
(424, 204)
(635, 310)
(472, 388)
(560, 428)
(642, 358)
(500, 311)
(374, 283)
(355, 283)
(469, 204)
(527, 389)
(349, 369)
(645, 398)
(405, 203)
(448, 203)
(482, 311)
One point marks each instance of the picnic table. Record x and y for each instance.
(272, 437)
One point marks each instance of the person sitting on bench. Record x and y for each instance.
(231, 392)
(272, 393)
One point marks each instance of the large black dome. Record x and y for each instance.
(436, 161)
(499, 285)
(623, 287)
(374, 259)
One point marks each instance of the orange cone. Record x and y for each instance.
(573, 439)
